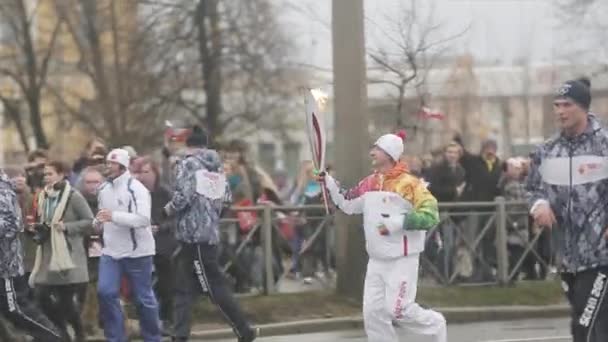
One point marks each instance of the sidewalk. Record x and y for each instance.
(453, 315)
(330, 313)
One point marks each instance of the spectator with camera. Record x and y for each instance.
(34, 170)
(60, 272)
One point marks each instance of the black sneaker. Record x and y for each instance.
(166, 328)
(253, 334)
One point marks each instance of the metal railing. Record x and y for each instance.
(483, 230)
(479, 231)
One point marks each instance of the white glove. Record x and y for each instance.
(393, 223)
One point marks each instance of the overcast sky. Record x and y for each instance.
(499, 30)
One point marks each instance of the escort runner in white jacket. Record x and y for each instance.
(128, 235)
(128, 251)
(397, 210)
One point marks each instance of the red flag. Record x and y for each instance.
(426, 113)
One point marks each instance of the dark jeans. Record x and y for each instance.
(63, 304)
(527, 266)
(586, 292)
(197, 271)
(16, 306)
(164, 286)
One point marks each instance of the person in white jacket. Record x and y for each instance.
(397, 210)
(124, 218)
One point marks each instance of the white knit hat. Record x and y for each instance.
(392, 144)
(119, 156)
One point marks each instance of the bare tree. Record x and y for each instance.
(416, 42)
(576, 8)
(210, 44)
(13, 111)
(241, 54)
(131, 66)
(584, 32)
(25, 62)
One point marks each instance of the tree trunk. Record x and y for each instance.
(400, 101)
(36, 122)
(100, 81)
(209, 41)
(351, 137)
(32, 93)
(14, 114)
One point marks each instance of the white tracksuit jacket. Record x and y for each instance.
(129, 234)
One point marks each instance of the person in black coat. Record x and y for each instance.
(447, 178)
(482, 174)
(446, 183)
(147, 172)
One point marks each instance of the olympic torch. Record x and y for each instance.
(316, 101)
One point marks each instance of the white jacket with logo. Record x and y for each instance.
(129, 234)
(406, 219)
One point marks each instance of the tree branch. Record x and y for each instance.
(47, 57)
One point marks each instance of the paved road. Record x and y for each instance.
(545, 330)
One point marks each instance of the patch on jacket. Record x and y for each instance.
(210, 184)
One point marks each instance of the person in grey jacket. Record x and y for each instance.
(201, 193)
(568, 187)
(61, 284)
(15, 304)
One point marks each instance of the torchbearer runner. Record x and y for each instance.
(397, 211)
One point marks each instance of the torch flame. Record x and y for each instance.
(320, 97)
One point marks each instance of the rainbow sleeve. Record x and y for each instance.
(426, 211)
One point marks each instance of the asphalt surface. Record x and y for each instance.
(541, 330)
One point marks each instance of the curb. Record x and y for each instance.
(452, 315)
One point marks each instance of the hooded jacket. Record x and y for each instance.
(571, 175)
(11, 252)
(396, 200)
(201, 192)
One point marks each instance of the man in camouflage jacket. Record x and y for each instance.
(568, 188)
(14, 302)
(201, 192)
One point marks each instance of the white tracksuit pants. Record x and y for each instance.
(389, 302)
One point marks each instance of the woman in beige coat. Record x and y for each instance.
(60, 273)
